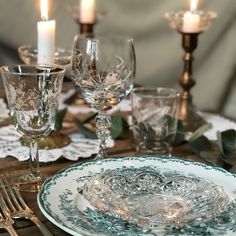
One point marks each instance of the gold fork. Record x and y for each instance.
(5, 218)
(17, 206)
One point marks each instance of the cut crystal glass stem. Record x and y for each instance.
(103, 125)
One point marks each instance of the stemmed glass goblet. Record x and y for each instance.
(33, 95)
(103, 70)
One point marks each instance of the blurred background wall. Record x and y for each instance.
(158, 47)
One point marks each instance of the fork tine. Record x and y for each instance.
(13, 197)
(7, 197)
(21, 200)
(5, 211)
(21, 208)
(5, 217)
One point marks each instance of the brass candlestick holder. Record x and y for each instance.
(187, 111)
(87, 29)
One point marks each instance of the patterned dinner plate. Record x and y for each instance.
(140, 196)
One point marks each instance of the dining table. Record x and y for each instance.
(12, 167)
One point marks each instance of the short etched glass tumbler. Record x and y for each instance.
(155, 117)
(33, 95)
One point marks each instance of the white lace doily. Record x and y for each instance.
(4, 111)
(79, 147)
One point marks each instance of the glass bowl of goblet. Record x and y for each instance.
(103, 70)
(33, 95)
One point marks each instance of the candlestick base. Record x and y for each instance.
(188, 113)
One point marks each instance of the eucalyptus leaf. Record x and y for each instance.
(116, 126)
(84, 130)
(200, 131)
(231, 158)
(200, 144)
(146, 131)
(228, 138)
(208, 156)
(219, 142)
(180, 133)
(59, 119)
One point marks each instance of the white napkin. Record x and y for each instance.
(79, 147)
(219, 123)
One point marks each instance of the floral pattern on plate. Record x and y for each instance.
(63, 204)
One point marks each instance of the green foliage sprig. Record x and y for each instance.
(222, 150)
(118, 125)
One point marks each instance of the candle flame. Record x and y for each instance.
(193, 5)
(44, 10)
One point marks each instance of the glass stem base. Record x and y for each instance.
(30, 182)
(33, 180)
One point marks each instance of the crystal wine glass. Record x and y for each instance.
(103, 70)
(33, 94)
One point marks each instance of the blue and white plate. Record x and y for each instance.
(61, 200)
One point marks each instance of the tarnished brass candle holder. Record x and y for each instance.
(87, 29)
(187, 111)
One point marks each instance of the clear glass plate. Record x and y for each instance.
(147, 197)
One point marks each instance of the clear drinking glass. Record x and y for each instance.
(33, 94)
(103, 70)
(155, 117)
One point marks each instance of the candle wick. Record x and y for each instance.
(44, 18)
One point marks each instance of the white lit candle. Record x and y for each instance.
(46, 36)
(87, 11)
(191, 21)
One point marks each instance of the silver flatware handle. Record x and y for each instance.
(12, 231)
(40, 225)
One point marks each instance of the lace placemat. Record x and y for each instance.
(79, 147)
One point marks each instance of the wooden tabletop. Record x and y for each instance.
(12, 167)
